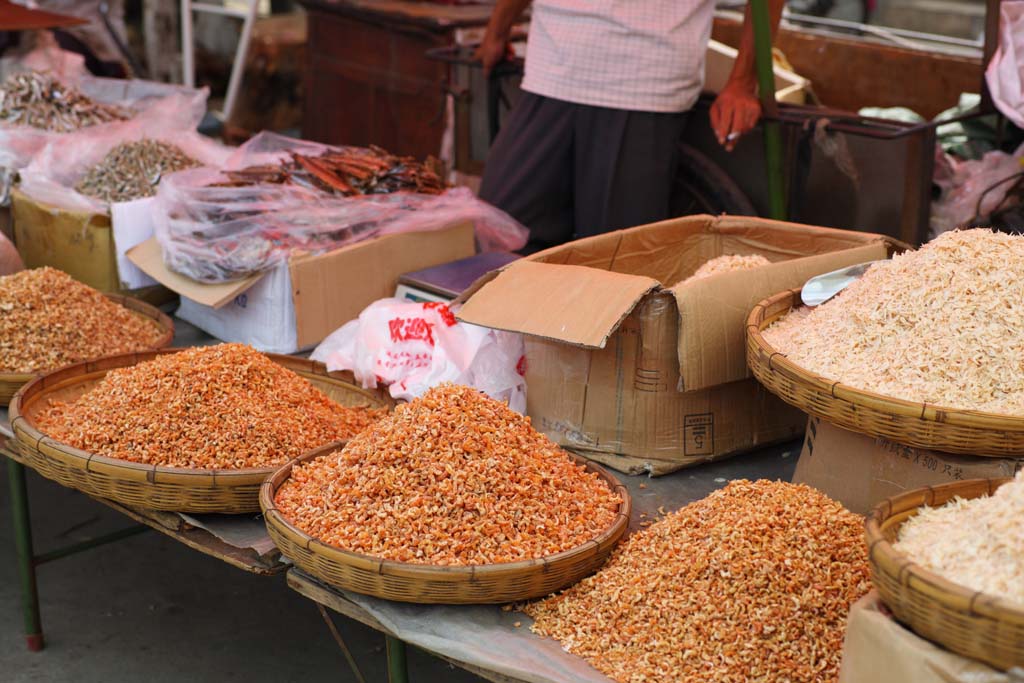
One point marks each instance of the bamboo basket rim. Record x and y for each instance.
(411, 570)
(131, 303)
(883, 554)
(27, 431)
(765, 313)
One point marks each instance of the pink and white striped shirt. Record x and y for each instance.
(642, 55)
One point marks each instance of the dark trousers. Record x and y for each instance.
(569, 170)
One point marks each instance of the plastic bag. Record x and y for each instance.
(1005, 73)
(168, 107)
(218, 234)
(972, 189)
(52, 175)
(414, 346)
(10, 260)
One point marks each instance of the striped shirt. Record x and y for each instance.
(641, 55)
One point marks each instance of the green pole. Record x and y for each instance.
(766, 88)
(26, 562)
(398, 670)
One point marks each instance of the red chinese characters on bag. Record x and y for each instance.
(411, 329)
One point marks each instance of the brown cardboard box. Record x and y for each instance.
(628, 364)
(878, 649)
(861, 471)
(295, 306)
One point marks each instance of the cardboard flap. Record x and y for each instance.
(713, 311)
(148, 257)
(572, 304)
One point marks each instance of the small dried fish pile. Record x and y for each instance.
(48, 320)
(346, 172)
(977, 543)
(452, 478)
(132, 170)
(727, 264)
(942, 325)
(37, 99)
(752, 583)
(213, 407)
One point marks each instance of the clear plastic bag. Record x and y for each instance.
(52, 175)
(412, 347)
(973, 189)
(171, 107)
(221, 233)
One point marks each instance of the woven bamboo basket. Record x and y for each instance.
(970, 623)
(11, 382)
(432, 584)
(914, 424)
(149, 486)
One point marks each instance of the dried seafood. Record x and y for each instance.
(347, 171)
(452, 478)
(38, 100)
(942, 325)
(728, 263)
(48, 320)
(132, 170)
(752, 583)
(977, 543)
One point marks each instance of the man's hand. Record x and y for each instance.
(492, 51)
(734, 113)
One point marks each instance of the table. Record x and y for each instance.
(484, 639)
(239, 540)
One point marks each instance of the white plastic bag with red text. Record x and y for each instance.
(412, 347)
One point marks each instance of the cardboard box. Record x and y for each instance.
(629, 365)
(296, 305)
(878, 649)
(861, 471)
(789, 86)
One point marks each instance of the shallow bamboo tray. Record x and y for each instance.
(11, 382)
(150, 486)
(433, 584)
(914, 424)
(973, 624)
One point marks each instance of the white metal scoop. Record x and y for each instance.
(821, 288)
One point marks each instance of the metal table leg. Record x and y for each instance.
(22, 521)
(398, 670)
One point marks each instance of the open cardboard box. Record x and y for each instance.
(628, 364)
(297, 304)
(718, 62)
(861, 471)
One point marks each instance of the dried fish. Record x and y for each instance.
(39, 100)
(347, 172)
(132, 170)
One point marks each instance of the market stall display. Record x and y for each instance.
(753, 582)
(933, 596)
(277, 195)
(454, 498)
(184, 430)
(48, 320)
(924, 349)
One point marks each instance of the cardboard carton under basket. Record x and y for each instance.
(80, 243)
(861, 471)
(628, 364)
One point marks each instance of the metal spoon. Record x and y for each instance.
(821, 288)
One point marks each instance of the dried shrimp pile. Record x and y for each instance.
(942, 325)
(213, 407)
(48, 320)
(38, 100)
(132, 170)
(977, 543)
(752, 583)
(452, 478)
(727, 264)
